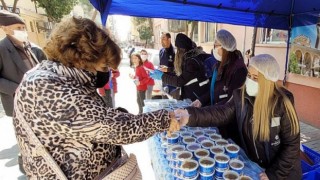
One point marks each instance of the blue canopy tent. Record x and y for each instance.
(276, 14)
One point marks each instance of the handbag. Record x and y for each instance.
(127, 171)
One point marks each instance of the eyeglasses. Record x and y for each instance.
(215, 46)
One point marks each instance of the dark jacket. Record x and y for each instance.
(193, 81)
(279, 156)
(232, 77)
(12, 69)
(166, 57)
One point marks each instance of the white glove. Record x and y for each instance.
(196, 103)
(182, 116)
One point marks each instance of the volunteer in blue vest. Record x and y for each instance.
(190, 72)
(229, 74)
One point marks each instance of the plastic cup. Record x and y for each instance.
(176, 149)
(189, 140)
(182, 156)
(206, 165)
(206, 176)
(200, 153)
(198, 133)
(232, 150)
(202, 138)
(222, 142)
(193, 147)
(230, 175)
(222, 161)
(236, 165)
(215, 137)
(216, 150)
(218, 173)
(207, 144)
(190, 168)
(173, 139)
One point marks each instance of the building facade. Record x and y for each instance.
(37, 24)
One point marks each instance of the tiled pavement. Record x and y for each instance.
(310, 136)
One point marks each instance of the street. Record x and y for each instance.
(126, 98)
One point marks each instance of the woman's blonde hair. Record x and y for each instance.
(265, 103)
(178, 61)
(80, 43)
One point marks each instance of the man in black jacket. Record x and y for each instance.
(17, 56)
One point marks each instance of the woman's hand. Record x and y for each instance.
(196, 103)
(174, 124)
(182, 116)
(263, 176)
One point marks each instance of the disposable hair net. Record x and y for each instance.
(266, 65)
(227, 40)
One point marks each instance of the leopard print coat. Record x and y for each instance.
(71, 120)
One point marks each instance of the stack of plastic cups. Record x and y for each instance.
(216, 150)
(229, 174)
(190, 169)
(236, 165)
(181, 157)
(232, 150)
(221, 165)
(201, 153)
(174, 161)
(206, 168)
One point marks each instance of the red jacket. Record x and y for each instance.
(149, 65)
(115, 75)
(143, 77)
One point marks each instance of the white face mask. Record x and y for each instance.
(252, 87)
(20, 35)
(216, 54)
(144, 57)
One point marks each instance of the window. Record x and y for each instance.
(31, 26)
(209, 32)
(177, 26)
(268, 35)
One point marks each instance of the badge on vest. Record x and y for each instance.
(223, 96)
(275, 122)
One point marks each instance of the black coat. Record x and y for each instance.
(279, 156)
(191, 70)
(12, 69)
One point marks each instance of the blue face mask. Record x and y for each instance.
(102, 78)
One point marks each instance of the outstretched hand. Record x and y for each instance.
(182, 116)
(174, 126)
(196, 103)
(156, 74)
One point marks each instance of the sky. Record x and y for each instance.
(122, 26)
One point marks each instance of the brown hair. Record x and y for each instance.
(228, 57)
(80, 43)
(139, 57)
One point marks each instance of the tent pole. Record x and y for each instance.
(288, 43)
(287, 58)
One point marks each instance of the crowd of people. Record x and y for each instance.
(64, 114)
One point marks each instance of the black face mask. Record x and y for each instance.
(102, 78)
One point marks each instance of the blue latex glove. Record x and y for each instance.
(156, 74)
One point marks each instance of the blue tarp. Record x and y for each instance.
(277, 14)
